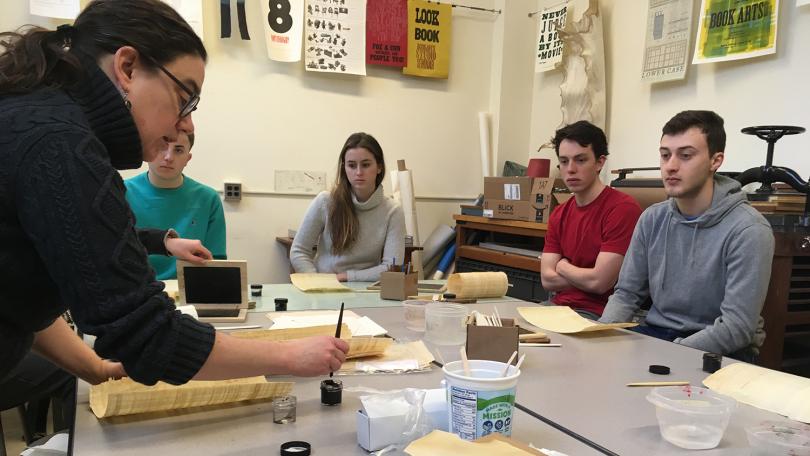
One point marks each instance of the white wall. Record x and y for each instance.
(765, 90)
(257, 116)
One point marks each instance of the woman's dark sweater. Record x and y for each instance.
(67, 236)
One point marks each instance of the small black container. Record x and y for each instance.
(331, 392)
(712, 362)
(255, 289)
(281, 304)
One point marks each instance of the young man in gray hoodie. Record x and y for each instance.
(703, 256)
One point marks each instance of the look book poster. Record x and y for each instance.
(549, 44)
(736, 29)
(666, 47)
(429, 29)
(335, 40)
(283, 29)
(387, 32)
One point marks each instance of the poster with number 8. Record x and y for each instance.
(283, 29)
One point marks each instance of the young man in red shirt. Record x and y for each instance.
(588, 235)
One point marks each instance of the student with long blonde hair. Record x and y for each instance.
(357, 229)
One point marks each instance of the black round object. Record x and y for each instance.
(255, 289)
(449, 296)
(296, 448)
(281, 304)
(712, 362)
(331, 392)
(659, 369)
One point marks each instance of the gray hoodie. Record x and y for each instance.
(708, 275)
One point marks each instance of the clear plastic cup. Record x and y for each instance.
(445, 323)
(415, 314)
(776, 438)
(691, 417)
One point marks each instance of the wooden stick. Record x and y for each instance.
(464, 362)
(530, 344)
(537, 335)
(498, 316)
(672, 383)
(520, 361)
(508, 363)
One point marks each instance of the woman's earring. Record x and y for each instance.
(127, 103)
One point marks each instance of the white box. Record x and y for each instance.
(385, 426)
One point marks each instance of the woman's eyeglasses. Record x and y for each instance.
(194, 98)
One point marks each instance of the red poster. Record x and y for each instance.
(387, 32)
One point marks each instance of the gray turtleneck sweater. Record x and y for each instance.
(707, 275)
(381, 239)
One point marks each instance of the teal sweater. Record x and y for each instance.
(193, 210)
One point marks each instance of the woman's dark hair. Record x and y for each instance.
(343, 223)
(583, 133)
(34, 57)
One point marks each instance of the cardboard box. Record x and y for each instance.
(399, 285)
(518, 198)
(494, 343)
(376, 429)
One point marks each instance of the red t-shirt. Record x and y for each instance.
(580, 233)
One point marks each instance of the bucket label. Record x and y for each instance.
(474, 414)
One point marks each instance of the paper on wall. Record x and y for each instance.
(191, 11)
(743, 30)
(666, 48)
(563, 320)
(771, 390)
(283, 29)
(59, 9)
(549, 46)
(315, 282)
(429, 35)
(335, 36)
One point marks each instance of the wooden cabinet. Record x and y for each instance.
(787, 306)
(466, 224)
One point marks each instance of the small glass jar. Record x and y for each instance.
(284, 409)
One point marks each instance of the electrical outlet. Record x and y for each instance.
(233, 191)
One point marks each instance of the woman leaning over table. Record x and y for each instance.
(76, 104)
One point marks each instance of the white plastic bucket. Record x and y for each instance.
(483, 402)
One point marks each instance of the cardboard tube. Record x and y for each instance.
(486, 150)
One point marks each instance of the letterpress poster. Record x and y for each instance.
(429, 29)
(335, 40)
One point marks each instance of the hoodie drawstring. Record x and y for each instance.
(667, 224)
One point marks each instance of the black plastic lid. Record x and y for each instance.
(659, 369)
(296, 448)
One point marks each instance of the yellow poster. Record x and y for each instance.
(736, 29)
(429, 29)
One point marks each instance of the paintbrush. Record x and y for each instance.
(337, 331)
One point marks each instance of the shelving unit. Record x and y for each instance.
(524, 271)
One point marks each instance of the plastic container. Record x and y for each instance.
(775, 438)
(691, 417)
(415, 314)
(484, 401)
(445, 323)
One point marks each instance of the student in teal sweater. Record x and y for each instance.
(165, 198)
